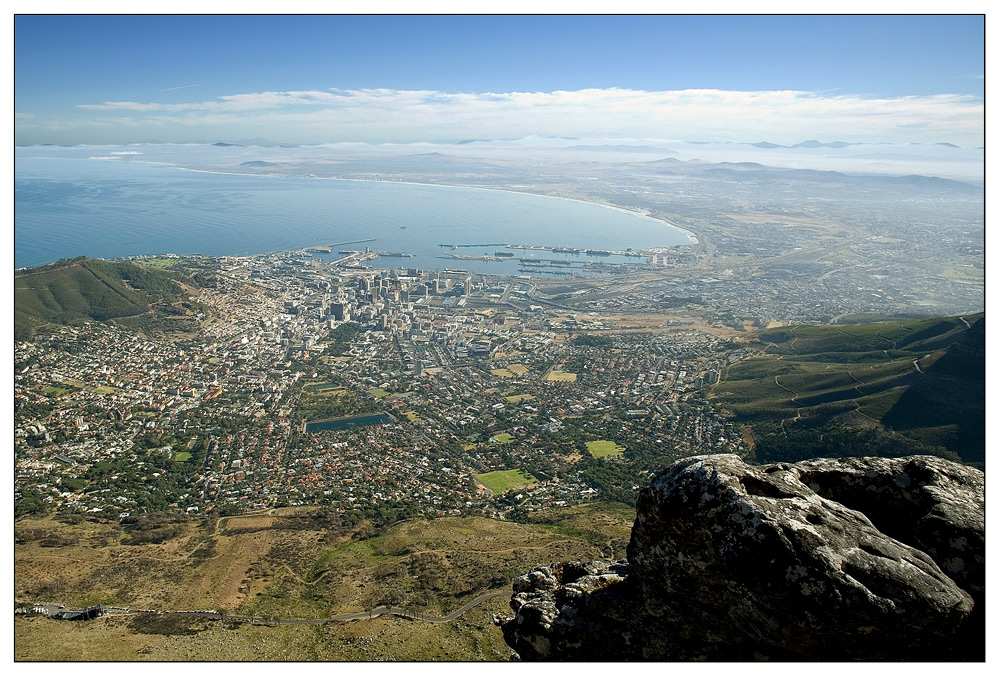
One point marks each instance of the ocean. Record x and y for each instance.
(110, 208)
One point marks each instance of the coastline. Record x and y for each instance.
(691, 235)
(688, 237)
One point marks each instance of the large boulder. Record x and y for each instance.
(849, 559)
(573, 611)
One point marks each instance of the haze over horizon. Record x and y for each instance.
(445, 79)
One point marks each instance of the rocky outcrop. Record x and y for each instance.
(828, 560)
(572, 609)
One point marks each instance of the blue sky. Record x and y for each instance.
(297, 79)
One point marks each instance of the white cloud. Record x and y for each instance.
(379, 115)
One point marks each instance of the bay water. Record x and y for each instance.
(66, 207)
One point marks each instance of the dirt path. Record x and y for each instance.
(858, 380)
(411, 614)
(798, 412)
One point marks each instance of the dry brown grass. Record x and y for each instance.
(276, 565)
(247, 522)
(511, 371)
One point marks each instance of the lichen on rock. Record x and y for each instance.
(847, 559)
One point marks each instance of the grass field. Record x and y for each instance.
(500, 481)
(604, 448)
(517, 399)
(290, 565)
(961, 274)
(412, 416)
(182, 456)
(504, 438)
(378, 393)
(511, 371)
(562, 376)
(326, 389)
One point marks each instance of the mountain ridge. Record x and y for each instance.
(73, 290)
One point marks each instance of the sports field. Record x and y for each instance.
(516, 399)
(604, 448)
(500, 481)
(511, 371)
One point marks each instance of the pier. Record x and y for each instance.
(327, 248)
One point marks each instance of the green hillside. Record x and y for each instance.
(72, 290)
(889, 388)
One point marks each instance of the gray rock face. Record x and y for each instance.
(849, 559)
(573, 611)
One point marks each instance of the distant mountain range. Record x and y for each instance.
(756, 172)
(806, 144)
(504, 155)
(548, 142)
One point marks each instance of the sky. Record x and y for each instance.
(102, 79)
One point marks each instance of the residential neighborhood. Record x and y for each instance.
(380, 393)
